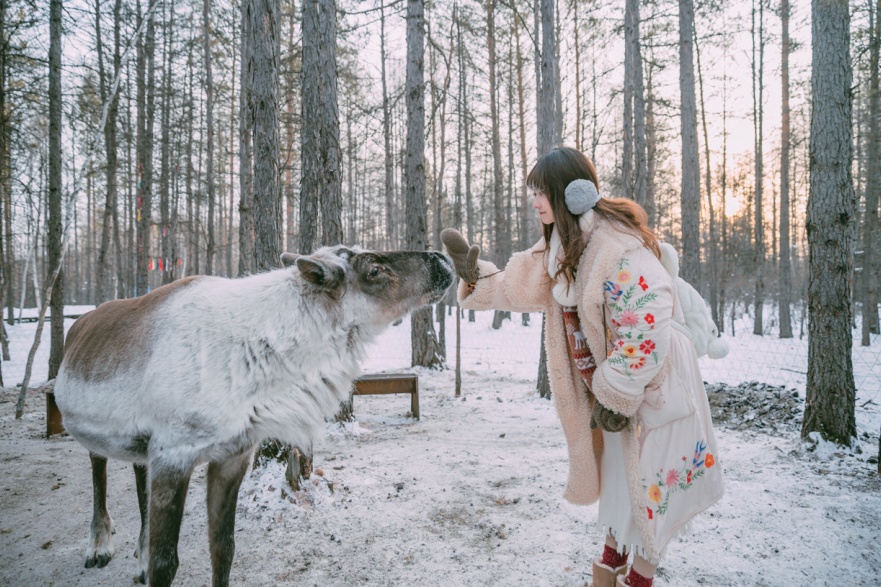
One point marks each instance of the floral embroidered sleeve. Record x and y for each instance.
(639, 300)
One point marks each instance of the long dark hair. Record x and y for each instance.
(550, 176)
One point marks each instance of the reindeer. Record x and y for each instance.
(206, 368)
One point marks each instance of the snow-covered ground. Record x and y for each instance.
(469, 494)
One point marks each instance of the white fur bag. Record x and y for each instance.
(701, 329)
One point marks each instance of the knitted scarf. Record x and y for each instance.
(581, 354)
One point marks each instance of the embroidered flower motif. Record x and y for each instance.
(647, 347)
(624, 276)
(699, 449)
(688, 479)
(672, 477)
(709, 462)
(642, 283)
(638, 363)
(629, 318)
(655, 493)
(651, 516)
(613, 289)
(649, 319)
(630, 350)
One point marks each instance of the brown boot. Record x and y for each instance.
(606, 576)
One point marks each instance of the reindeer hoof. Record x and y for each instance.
(98, 560)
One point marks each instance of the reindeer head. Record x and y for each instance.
(376, 287)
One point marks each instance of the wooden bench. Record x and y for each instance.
(390, 383)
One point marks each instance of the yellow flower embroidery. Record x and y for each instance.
(624, 276)
(655, 493)
(630, 350)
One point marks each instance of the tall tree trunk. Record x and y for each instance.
(545, 142)
(265, 69)
(873, 193)
(110, 147)
(310, 102)
(425, 348)
(246, 130)
(723, 271)
(166, 262)
(650, 149)
(232, 150)
(146, 95)
(758, 222)
(831, 395)
(630, 7)
(56, 351)
(576, 27)
(331, 157)
(639, 138)
(498, 187)
(525, 208)
(188, 181)
(785, 268)
(7, 256)
(690, 192)
(711, 245)
(209, 123)
(547, 96)
(289, 138)
(390, 220)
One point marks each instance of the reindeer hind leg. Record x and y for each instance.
(100, 548)
(168, 492)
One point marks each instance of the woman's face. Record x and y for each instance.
(543, 205)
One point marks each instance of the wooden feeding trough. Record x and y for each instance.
(391, 383)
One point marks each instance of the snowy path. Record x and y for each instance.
(447, 501)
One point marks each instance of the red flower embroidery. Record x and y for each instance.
(649, 319)
(688, 479)
(638, 363)
(650, 512)
(642, 283)
(647, 347)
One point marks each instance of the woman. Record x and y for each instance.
(622, 366)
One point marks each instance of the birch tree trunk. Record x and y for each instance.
(56, 351)
(831, 395)
(424, 345)
(785, 265)
(265, 73)
(690, 192)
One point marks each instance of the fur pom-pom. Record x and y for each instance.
(717, 349)
(581, 195)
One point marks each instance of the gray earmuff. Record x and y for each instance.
(581, 196)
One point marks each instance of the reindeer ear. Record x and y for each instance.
(288, 259)
(327, 277)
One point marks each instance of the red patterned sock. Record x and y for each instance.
(611, 558)
(634, 579)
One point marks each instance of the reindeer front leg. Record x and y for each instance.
(142, 553)
(224, 480)
(168, 492)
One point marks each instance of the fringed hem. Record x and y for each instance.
(637, 549)
(684, 530)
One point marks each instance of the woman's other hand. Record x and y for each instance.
(606, 419)
(464, 256)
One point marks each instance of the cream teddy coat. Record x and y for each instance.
(647, 370)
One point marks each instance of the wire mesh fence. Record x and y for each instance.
(510, 353)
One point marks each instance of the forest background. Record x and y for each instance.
(241, 130)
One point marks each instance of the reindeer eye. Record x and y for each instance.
(374, 272)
